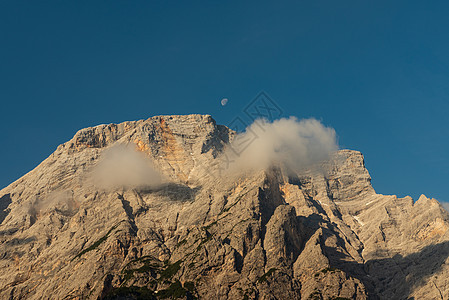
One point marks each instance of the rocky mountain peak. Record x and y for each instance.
(320, 233)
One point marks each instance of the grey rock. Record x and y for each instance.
(271, 234)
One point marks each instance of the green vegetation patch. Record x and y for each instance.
(144, 259)
(166, 271)
(175, 291)
(98, 242)
(329, 270)
(264, 277)
(190, 286)
(171, 270)
(135, 292)
(150, 265)
(128, 275)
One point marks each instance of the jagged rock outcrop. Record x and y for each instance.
(264, 235)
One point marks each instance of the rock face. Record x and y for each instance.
(264, 235)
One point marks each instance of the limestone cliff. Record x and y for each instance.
(264, 235)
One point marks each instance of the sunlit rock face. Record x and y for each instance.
(273, 233)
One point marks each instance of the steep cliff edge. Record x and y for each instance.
(269, 234)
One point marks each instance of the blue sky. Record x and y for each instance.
(376, 71)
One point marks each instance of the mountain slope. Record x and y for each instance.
(268, 234)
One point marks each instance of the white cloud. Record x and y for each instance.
(124, 167)
(293, 143)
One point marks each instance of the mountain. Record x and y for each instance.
(321, 233)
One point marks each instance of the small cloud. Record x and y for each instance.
(122, 166)
(445, 205)
(59, 199)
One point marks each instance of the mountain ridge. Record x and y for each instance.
(267, 234)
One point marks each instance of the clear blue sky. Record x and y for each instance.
(376, 71)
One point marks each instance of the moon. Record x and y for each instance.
(224, 101)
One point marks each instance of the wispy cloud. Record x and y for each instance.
(293, 143)
(445, 205)
(124, 167)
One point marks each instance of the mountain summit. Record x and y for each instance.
(144, 210)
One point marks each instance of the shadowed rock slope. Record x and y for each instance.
(264, 235)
